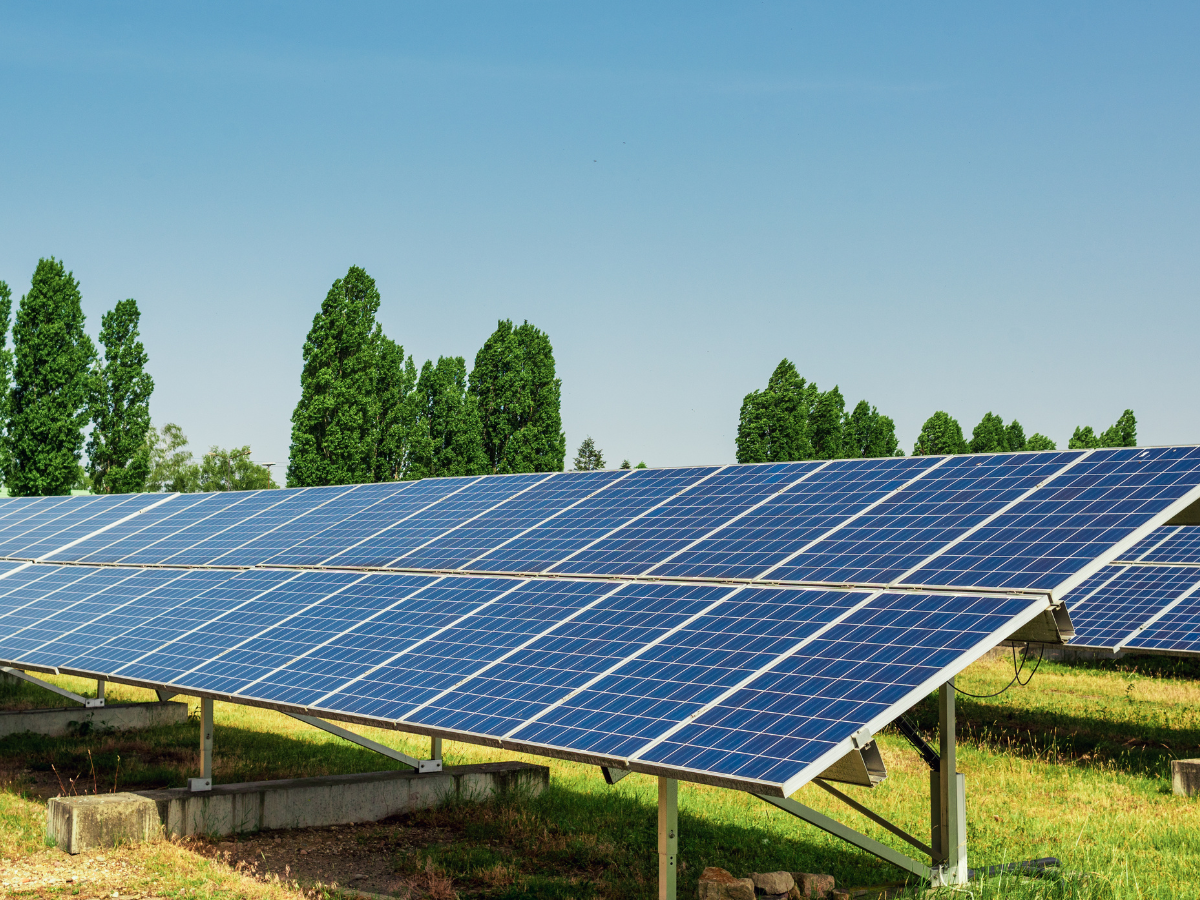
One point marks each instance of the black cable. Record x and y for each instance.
(1016, 679)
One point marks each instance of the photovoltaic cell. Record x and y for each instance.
(1073, 520)
(1169, 544)
(38, 600)
(921, 518)
(644, 694)
(590, 520)
(786, 719)
(684, 519)
(165, 536)
(767, 535)
(65, 523)
(141, 530)
(1178, 631)
(1110, 605)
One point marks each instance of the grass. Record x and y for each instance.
(1076, 765)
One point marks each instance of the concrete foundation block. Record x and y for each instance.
(1185, 777)
(336, 799)
(101, 820)
(77, 720)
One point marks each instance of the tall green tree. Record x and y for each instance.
(519, 399)
(589, 458)
(395, 387)
(51, 385)
(233, 470)
(1040, 442)
(1123, 433)
(990, 435)
(941, 434)
(774, 423)
(6, 369)
(1014, 436)
(172, 467)
(825, 425)
(118, 454)
(867, 434)
(447, 438)
(335, 423)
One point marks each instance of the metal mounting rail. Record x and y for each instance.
(86, 702)
(421, 765)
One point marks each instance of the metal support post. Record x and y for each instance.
(204, 782)
(421, 765)
(86, 702)
(435, 748)
(100, 682)
(668, 836)
(948, 807)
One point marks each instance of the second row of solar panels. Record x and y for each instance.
(1002, 521)
(751, 684)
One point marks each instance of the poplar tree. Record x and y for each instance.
(447, 437)
(335, 423)
(395, 384)
(774, 424)
(1014, 436)
(51, 385)
(941, 434)
(866, 434)
(825, 425)
(6, 367)
(990, 435)
(118, 454)
(519, 398)
(1040, 442)
(1123, 432)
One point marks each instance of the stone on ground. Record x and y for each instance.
(1185, 777)
(718, 884)
(809, 885)
(76, 824)
(773, 883)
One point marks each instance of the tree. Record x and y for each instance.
(1040, 442)
(1083, 439)
(866, 434)
(941, 434)
(774, 424)
(1123, 432)
(640, 465)
(51, 385)
(335, 423)
(589, 458)
(395, 383)
(825, 425)
(6, 367)
(625, 464)
(118, 455)
(447, 437)
(519, 398)
(233, 470)
(1014, 436)
(171, 465)
(990, 435)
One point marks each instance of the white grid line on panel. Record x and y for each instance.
(387, 528)
(1145, 626)
(466, 566)
(515, 650)
(413, 646)
(990, 519)
(757, 673)
(351, 489)
(12, 634)
(739, 516)
(49, 571)
(462, 524)
(272, 626)
(1170, 534)
(216, 618)
(645, 648)
(167, 537)
(1155, 564)
(1092, 593)
(80, 540)
(341, 634)
(115, 609)
(852, 518)
(25, 516)
(200, 501)
(65, 507)
(629, 522)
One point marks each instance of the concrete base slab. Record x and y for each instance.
(77, 720)
(101, 820)
(336, 799)
(1185, 777)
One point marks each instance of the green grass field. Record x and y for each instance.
(1076, 765)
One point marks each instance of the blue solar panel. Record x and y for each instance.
(28, 606)
(856, 674)
(143, 529)
(64, 523)
(169, 529)
(1109, 606)
(921, 518)
(553, 541)
(684, 519)
(1070, 522)
(774, 531)
(622, 685)
(545, 500)
(1169, 544)
(1178, 629)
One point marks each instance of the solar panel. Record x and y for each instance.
(1176, 627)
(1171, 544)
(1113, 603)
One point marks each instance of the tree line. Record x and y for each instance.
(366, 414)
(792, 419)
(54, 384)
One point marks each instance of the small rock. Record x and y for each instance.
(839, 895)
(718, 884)
(810, 885)
(772, 883)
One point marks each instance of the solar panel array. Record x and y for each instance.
(740, 625)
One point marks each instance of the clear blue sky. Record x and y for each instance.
(960, 207)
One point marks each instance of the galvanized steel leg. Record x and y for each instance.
(100, 688)
(204, 782)
(668, 836)
(435, 748)
(950, 826)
